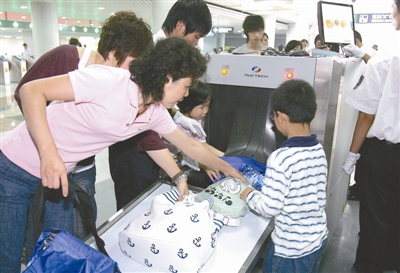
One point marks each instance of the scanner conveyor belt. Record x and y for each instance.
(238, 248)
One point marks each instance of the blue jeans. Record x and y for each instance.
(309, 263)
(17, 188)
(66, 209)
(86, 180)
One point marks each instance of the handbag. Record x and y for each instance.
(227, 204)
(57, 250)
(172, 236)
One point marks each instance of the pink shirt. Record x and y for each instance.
(103, 113)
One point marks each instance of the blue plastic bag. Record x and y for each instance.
(59, 251)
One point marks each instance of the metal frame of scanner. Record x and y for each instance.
(238, 120)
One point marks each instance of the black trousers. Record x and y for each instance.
(378, 171)
(132, 171)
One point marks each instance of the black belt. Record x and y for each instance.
(86, 162)
(383, 141)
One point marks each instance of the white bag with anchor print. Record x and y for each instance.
(172, 236)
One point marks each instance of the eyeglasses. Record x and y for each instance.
(272, 117)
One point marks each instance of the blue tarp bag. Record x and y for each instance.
(59, 251)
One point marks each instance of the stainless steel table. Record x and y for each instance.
(238, 248)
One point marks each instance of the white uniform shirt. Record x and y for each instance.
(159, 36)
(379, 95)
(369, 50)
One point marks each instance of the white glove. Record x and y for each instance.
(349, 162)
(189, 124)
(353, 50)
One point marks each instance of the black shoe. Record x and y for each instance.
(352, 197)
(353, 193)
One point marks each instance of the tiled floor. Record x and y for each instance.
(338, 256)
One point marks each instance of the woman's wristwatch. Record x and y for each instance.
(178, 177)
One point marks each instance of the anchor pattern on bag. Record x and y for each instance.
(196, 241)
(153, 249)
(146, 225)
(172, 270)
(146, 262)
(193, 218)
(130, 243)
(175, 218)
(172, 228)
(168, 212)
(181, 254)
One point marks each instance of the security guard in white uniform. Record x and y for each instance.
(377, 140)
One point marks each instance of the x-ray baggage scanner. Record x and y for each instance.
(17, 69)
(239, 123)
(237, 250)
(5, 68)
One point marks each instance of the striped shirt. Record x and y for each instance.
(294, 191)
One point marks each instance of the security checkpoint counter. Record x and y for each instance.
(237, 250)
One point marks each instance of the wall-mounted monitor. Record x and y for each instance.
(336, 23)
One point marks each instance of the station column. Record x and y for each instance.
(44, 27)
(160, 10)
(270, 25)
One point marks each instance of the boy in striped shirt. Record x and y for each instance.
(293, 187)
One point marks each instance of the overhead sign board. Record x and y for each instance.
(222, 29)
(371, 18)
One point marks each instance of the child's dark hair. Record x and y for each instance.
(198, 95)
(295, 98)
(172, 57)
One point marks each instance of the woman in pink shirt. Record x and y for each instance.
(102, 105)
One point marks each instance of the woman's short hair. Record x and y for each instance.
(172, 57)
(127, 34)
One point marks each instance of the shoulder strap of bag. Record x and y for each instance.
(85, 58)
(85, 207)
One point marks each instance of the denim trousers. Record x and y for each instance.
(86, 180)
(64, 209)
(306, 264)
(17, 189)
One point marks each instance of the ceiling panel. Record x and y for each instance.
(88, 11)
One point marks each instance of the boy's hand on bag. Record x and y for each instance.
(245, 193)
